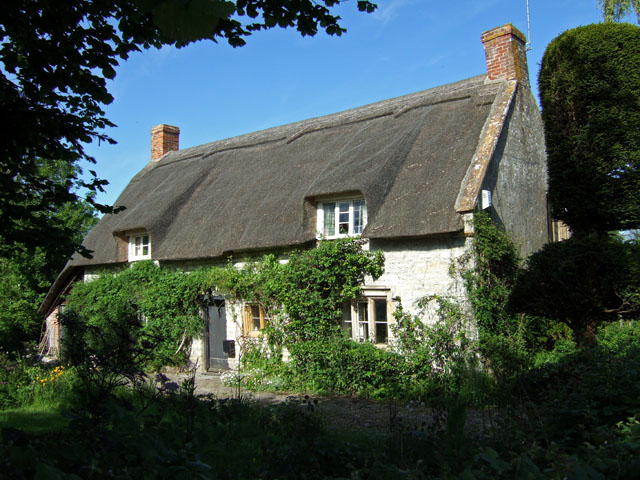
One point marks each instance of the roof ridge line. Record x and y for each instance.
(353, 115)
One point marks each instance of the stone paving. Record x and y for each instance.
(348, 413)
(211, 383)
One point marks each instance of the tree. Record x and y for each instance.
(581, 282)
(615, 10)
(56, 59)
(27, 273)
(590, 91)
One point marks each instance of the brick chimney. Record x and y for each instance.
(506, 54)
(164, 138)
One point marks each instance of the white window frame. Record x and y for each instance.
(362, 321)
(137, 246)
(337, 221)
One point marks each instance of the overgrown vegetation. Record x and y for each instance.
(551, 410)
(28, 271)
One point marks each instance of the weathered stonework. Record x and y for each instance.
(517, 176)
(422, 267)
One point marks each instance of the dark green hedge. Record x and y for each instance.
(590, 95)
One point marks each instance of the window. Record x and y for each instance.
(139, 247)
(255, 318)
(342, 218)
(367, 320)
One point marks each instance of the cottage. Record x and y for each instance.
(406, 174)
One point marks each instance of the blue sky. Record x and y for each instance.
(212, 91)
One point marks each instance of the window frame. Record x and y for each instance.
(249, 317)
(353, 228)
(133, 255)
(365, 329)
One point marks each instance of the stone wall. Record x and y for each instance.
(415, 268)
(517, 176)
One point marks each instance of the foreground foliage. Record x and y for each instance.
(575, 417)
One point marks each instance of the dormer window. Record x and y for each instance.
(342, 218)
(139, 247)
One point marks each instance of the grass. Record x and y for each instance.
(33, 419)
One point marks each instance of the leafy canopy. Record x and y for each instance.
(590, 91)
(55, 60)
(28, 273)
(582, 282)
(615, 10)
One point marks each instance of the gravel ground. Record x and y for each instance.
(350, 413)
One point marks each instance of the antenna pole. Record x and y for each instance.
(528, 29)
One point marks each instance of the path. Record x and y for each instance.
(343, 412)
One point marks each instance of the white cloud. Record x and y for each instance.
(387, 10)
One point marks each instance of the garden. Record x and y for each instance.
(515, 398)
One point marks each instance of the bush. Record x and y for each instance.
(589, 91)
(591, 389)
(151, 303)
(24, 383)
(341, 365)
(581, 282)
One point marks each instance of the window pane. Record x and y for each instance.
(343, 218)
(358, 216)
(363, 321)
(145, 245)
(329, 210)
(255, 318)
(380, 312)
(346, 319)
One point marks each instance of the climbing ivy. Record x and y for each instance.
(150, 302)
(304, 296)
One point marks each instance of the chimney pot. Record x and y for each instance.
(506, 53)
(164, 138)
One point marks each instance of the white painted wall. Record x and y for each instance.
(413, 269)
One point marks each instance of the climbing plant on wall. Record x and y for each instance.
(164, 305)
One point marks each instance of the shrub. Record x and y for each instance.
(581, 282)
(589, 91)
(343, 366)
(25, 383)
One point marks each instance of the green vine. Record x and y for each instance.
(303, 296)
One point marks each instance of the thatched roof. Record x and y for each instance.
(407, 156)
(410, 157)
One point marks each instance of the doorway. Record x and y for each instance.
(217, 345)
